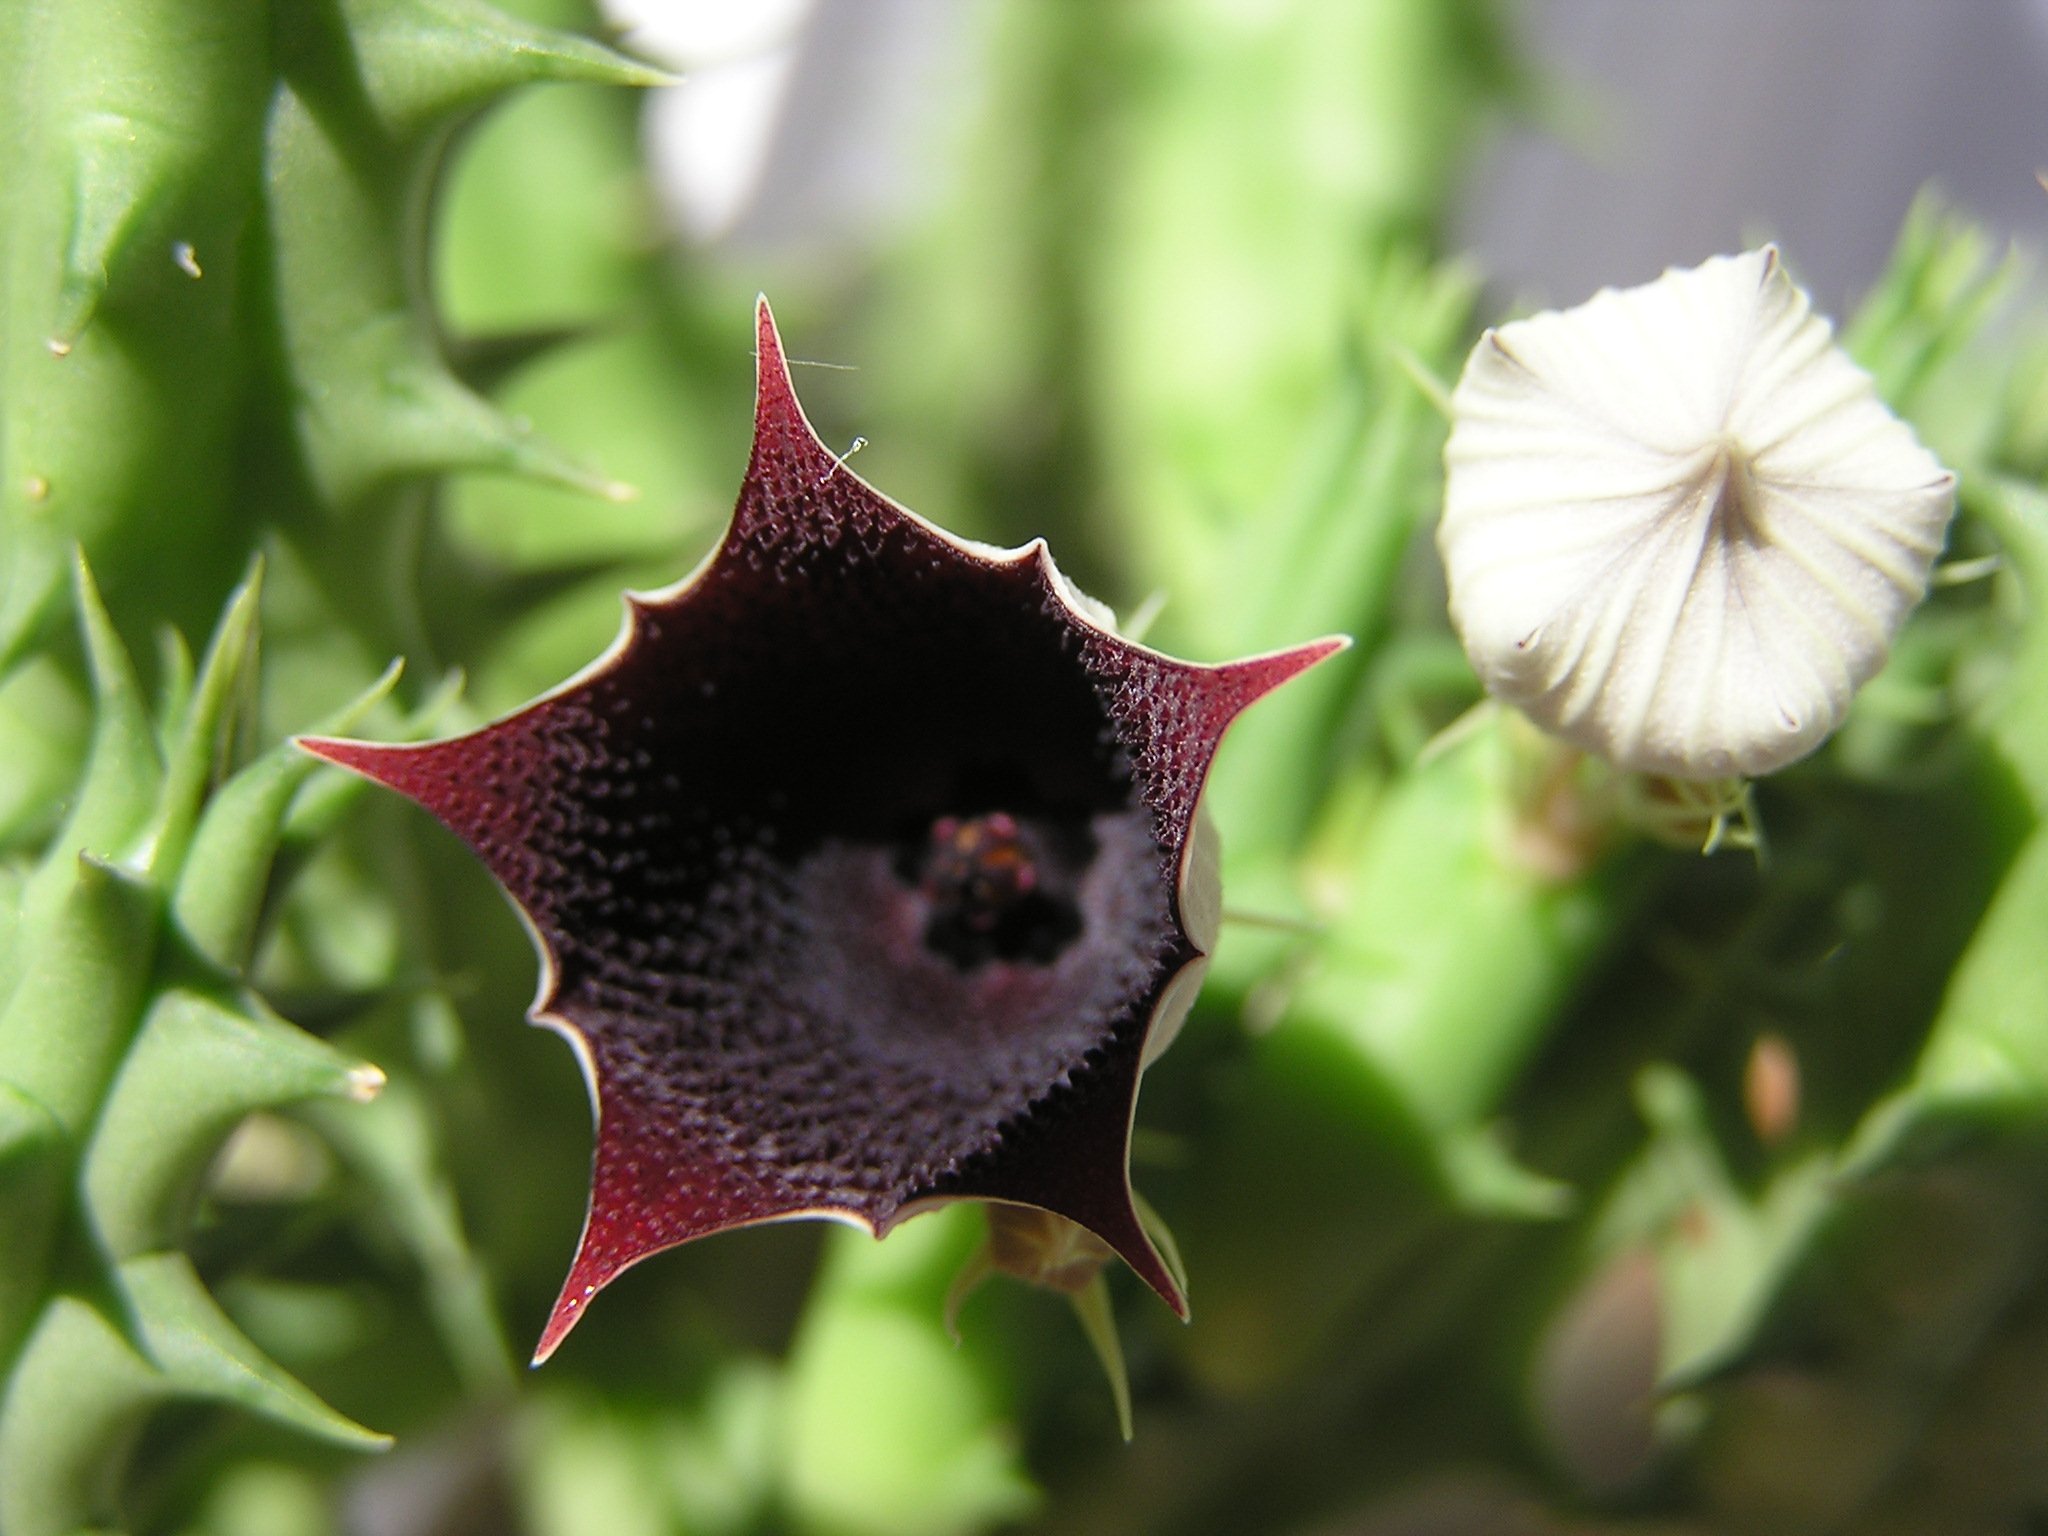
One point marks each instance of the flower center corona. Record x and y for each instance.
(994, 892)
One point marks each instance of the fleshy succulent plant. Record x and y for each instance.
(1683, 1194)
(214, 338)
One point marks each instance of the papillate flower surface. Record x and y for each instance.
(865, 868)
(1680, 529)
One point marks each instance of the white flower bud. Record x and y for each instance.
(1680, 529)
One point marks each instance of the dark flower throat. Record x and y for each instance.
(1000, 889)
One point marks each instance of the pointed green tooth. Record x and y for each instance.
(79, 994)
(195, 759)
(203, 1354)
(1483, 1179)
(1943, 281)
(124, 771)
(121, 780)
(430, 424)
(392, 1146)
(219, 894)
(1098, 1322)
(426, 61)
(175, 670)
(388, 409)
(109, 182)
(73, 1403)
(198, 1066)
(345, 310)
(375, 402)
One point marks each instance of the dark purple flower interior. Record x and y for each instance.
(856, 867)
(762, 893)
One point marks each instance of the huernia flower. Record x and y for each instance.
(866, 869)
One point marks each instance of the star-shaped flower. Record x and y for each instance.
(1680, 528)
(866, 869)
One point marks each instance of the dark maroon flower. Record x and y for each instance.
(864, 867)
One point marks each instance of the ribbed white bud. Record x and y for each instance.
(1680, 529)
